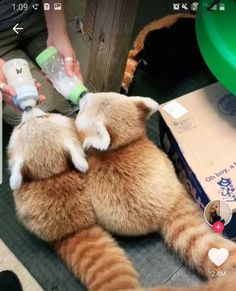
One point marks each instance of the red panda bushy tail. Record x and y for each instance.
(186, 232)
(98, 261)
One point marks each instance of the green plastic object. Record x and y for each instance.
(77, 93)
(216, 34)
(45, 55)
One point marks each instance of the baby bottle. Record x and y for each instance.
(18, 76)
(53, 66)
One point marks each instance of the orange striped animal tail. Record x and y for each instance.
(186, 231)
(98, 261)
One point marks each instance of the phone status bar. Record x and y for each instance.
(193, 6)
(46, 6)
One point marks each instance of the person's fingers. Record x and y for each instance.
(8, 98)
(69, 68)
(7, 93)
(37, 84)
(77, 71)
(79, 75)
(42, 98)
(2, 62)
(8, 90)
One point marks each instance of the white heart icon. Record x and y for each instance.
(218, 256)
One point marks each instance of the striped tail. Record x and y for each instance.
(98, 261)
(186, 232)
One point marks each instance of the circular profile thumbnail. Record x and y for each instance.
(217, 211)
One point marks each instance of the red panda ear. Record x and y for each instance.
(100, 140)
(146, 105)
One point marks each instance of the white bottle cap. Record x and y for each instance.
(26, 96)
(28, 104)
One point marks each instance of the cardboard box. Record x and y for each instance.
(199, 135)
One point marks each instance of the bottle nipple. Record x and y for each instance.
(28, 104)
(28, 108)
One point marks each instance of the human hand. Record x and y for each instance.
(63, 45)
(8, 92)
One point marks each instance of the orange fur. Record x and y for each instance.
(132, 61)
(58, 208)
(95, 257)
(130, 189)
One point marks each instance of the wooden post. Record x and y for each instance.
(112, 30)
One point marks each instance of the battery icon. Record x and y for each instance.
(46, 6)
(222, 6)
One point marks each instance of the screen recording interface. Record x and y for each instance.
(217, 213)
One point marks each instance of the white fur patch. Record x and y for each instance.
(31, 113)
(16, 176)
(77, 155)
(82, 121)
(100, 140)
(59, 120)
(79, 162)
(85, 100)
